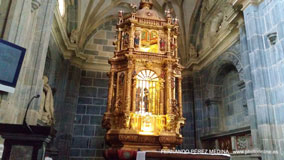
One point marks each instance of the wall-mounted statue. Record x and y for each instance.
(162, 44)
(46, 112)
(125, 40)
(136, 39)
(74, 36)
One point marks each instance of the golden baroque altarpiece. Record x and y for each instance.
(144, 110)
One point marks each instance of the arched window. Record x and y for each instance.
(148, 92)
(61, 4)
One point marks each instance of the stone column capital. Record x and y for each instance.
(244, 3)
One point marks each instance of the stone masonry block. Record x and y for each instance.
(98, 101)
(96, 120)
(80, 142)
(97, 143)
(85, 119)
(93, 110)
(88, 92)
(75, 152)
(110, 35)
(100, 41)
(86, 81)
(81, 109)
(89, 130)
(100, 83)
(88, 153)
(108, 48)
(83, 100)
(78, 130)
(102, 93)
(91, 74)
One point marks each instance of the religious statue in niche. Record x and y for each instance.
(121, 82)
(121, 79)
(162, 44)
(153, 38)
(46, 114)
(125, 40)
(137, 39)
(146, 99)
(173, 44)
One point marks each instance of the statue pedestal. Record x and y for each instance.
(111, 154)
(22, 143)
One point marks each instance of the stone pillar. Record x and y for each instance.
(30, 30)
(110, 91)
(265, 58)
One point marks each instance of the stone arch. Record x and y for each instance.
(228, 58)
(214, 108)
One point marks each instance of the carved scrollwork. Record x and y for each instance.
(171, 124)
(35, 4)
(106, 123)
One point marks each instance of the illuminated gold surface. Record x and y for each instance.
(144, 108)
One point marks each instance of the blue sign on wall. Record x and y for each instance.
(11, 59)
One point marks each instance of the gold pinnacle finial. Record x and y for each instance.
(146, 4)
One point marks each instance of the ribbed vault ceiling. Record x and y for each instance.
(93, 13)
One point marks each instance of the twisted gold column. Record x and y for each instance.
(131, 40)
(128, 85)
(162, 97)
(134, 94)
(169, 40)
(180, 95)
(168, 88)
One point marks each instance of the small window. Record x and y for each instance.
(61, 5)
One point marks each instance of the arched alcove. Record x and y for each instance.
(233, 111)
(225, 104)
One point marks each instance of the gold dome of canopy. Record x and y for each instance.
(145, 11)
(149, 14)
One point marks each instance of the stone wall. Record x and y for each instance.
(188, 129)
(88, 135)
(235, 112)
(100, 44)
(265, 62)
